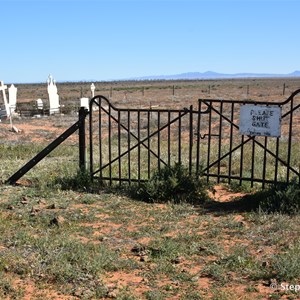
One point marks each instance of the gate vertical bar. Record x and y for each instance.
(169, 139)
(100, 139)
(198, 140)
(242, 160)
(242, 156)
(179, 138)
(264, 163)
(209, 142)
(128, 145)
(158, 140)
(276, 161)
(230, 143)
(139, 147)
(82, 140)
(290, 142)
(191, 141)
(148, 134)
(220, 140)
(119, 146)
(252, 161)
(91, 138)
(109, 144)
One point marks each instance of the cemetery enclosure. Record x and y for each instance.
(128, 144)
(214, 162)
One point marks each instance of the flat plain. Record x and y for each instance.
(59, 241)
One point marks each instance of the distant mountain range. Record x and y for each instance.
(214, 75)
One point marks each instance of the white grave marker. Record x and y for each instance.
(12, 95)
(3, 88)
(93, 90)
(39, 104)
(260, 120)
(53, 96)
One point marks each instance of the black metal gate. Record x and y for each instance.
(228, 155)
(127, 145)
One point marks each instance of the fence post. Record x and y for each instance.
(82, 142)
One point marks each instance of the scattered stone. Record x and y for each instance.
(15, 129)
(103, 238)
(138, 249)
(113, 294)
(10, 207)
(177, 260)
(271, 282)
(144, 258)
(78, 292)
(24, 182)
(42, 202)
(145, 280)
(24, 201)
(201, 248)
(35, 209)
(265, 264)
(52, 206)
(176, 282)
(57, 221)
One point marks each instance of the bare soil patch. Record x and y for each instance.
(154, 251)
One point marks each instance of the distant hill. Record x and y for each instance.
(214, 75)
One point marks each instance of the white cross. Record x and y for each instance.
(93, 90)
(3, 88)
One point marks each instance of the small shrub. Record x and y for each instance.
(282, 199)
(173, 184)
(286, 265)
(81, 182)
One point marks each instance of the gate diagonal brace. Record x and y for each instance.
(249, 139)
(34, 161)
(132, 134)
(141, 142)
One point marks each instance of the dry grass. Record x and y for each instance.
(69, 244)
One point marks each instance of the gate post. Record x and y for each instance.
(82, 140)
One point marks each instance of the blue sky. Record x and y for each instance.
(107, 40)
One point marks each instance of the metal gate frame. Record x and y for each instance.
(199, 136)
(104, 107)
(217, 107)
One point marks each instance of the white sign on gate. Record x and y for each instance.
(260, 120)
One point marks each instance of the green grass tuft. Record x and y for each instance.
(173, 184)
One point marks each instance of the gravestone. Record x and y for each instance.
(93, 90)
(3, 88)
(39, 104)
(12, 95)
(53, 96)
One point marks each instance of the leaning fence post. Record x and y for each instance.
(82, 143)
